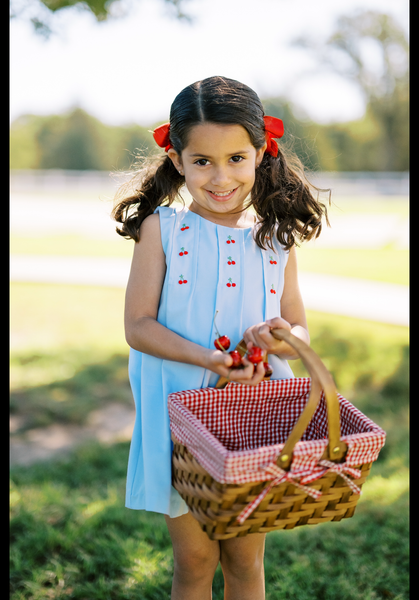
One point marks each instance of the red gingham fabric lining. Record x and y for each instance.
(238, 432)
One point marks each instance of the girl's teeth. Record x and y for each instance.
(222, 193)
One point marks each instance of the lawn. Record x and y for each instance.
(71, 536)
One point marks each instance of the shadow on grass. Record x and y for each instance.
(69, 398)
(71, 536)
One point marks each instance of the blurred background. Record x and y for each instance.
(88, 83)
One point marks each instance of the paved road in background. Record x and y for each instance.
(360, 298)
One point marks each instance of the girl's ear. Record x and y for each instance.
(260, 153)
(176, 160)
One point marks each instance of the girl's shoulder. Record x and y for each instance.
(168, 219)
(170, 212)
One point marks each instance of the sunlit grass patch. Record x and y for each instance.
(388, 265)
(386, 490)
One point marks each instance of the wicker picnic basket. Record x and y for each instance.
(278, 455)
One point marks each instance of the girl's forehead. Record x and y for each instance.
(204, 137)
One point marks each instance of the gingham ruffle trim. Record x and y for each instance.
(226, 430)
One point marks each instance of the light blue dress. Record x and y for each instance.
(209, 267)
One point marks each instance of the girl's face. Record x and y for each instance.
(219, 165)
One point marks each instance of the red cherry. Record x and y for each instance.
(229, 262)
(228, 284)
(180, 253)
(185, 281)
(187, 227)
(272, 262)
(233, 242)
(275, 262)
(233, 262)
(233, 284)
(268, 369)
(228, 241)
(237, 359)
(222, 343)
(255, 355)
(186, 252)
(180, 281)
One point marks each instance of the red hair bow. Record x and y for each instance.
(162, 136)
(274, 128)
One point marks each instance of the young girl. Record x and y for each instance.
(216, 255)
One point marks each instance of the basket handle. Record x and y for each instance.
(321, 379)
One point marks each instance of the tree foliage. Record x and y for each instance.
(75, 140)
(40, 12)
(371, 49)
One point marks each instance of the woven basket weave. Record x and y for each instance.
(279, 455)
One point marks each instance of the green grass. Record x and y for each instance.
(397, 205)
(70, 535)
(72, 538)
(389, 265)
(72, 245)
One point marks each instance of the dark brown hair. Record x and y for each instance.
(281, 195)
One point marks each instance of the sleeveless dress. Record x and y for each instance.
(209, 267)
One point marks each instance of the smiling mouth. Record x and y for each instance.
(222, 194)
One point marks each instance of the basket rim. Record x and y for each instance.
(226, 466)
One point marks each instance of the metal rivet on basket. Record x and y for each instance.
(336, 450)
(284, 457)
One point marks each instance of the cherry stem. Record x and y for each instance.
(215, 326)
(218, 335)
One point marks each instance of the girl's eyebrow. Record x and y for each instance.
(195, 154)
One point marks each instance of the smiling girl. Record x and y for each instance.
(248, 205)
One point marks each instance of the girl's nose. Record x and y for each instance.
(220, 177)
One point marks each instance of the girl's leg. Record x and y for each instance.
(242, 565)
(195, 559)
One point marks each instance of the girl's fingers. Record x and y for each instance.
(249, 375)
(260, 334)
(278, 323)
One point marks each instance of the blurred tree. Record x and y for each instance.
(75, 141)
(69, 143)
(298, 134)
(39, 12)
(371, 49)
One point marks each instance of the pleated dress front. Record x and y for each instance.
(209, 268)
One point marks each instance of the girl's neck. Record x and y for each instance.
(239, 220)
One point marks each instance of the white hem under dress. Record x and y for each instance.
(210, 267)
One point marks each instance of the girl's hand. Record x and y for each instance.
(260, 335)
(220, 363)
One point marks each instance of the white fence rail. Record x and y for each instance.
(342, 184)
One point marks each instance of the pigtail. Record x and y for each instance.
(283, 200)
(157, 183)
